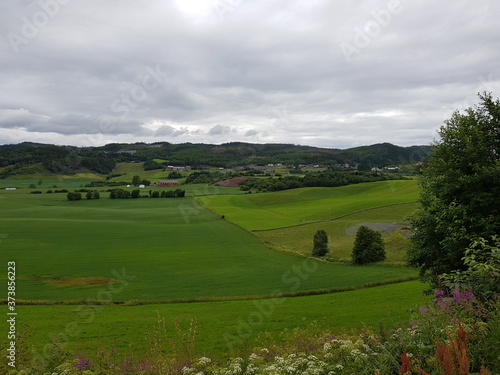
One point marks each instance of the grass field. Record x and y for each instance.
(174, 248)
(299, 206)
(219, 323)
(340, 232)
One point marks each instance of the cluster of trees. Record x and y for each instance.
(460, 191)
(74, 196)
(125, 194)
(206, 177)
(92, 195)
(137, 180)
(312, 179)
(77, 195)
(151, 165)
(368, 246)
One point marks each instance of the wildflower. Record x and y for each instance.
(204, 361)
(423, 310)
(439, 293)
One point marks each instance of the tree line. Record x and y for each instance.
(315, 179)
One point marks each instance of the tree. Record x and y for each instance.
(136, 180)
(320, 243)
(89, 195)
(174, 175)
(460, 187)
(74, 196)
(368, 246)
(136, 193)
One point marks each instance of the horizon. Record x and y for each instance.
(214, 144)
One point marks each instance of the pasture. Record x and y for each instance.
(174, 248)
(341, 233)
(220, 323)
(153, 255)
(305, 205)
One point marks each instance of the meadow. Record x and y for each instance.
(174, 248)
(305, 205)
(154, 255)
(223, 328)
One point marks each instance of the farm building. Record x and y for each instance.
(168, 183)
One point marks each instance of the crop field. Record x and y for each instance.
(174, 248)
(225, 326)
(153, 255)
(299, 206)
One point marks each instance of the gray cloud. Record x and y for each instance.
(124, 70)
(220, 129)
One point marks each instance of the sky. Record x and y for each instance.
(325, 73)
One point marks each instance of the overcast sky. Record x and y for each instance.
(328, 73)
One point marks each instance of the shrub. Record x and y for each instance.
(368, 246)
(320, 244)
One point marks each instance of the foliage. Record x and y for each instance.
(313, 179)
(482, 276)
(174, 175)
(151, 165)
(136, 180)
(92, 194)
(206, 177)
(74, 196)
(460, 190)
(368, 246)
(320, 244)
(103, 159)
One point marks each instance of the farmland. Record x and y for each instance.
(149, 255)
(300, 206)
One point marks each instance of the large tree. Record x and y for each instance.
(320, 243)
(368, 246)
(460, 190)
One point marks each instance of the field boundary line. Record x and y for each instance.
(332, 219)
(302, 293)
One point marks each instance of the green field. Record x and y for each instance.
(219, 323)
(174, 248)
(299, 206)
(341, 233)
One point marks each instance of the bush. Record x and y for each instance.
(320, 244)
(368, 246)
(74, 196)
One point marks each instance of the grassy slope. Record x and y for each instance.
(297, 206)
(175, 248)
(299, 239)
(123, 327)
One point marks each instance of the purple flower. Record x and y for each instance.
(423, 310)
(439, 293)
(83, 364)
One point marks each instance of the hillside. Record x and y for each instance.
(19, 159)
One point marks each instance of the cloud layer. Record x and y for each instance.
(327, 73)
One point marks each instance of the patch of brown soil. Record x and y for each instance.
(74, 281)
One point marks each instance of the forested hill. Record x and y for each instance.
(102, 159)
